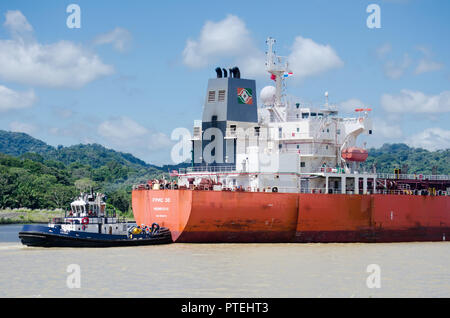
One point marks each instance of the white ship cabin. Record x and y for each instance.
(88, 214)
(280, 144)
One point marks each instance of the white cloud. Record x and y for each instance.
(121, 129)
(383, 50)
(431, 139)
(230, 39)
(395, 70)
(226, 38)
(10, 99)
(16, 23)
(63, 113)
(66, 132)
(309, 58)
(350, 105)
(428, 66)
(416, 102)
(22, 127)
(62, 64)
(120, 39)
(127, 134)
(383, 128)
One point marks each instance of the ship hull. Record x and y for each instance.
(43, 236)
(256, 217)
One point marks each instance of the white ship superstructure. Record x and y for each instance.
(282, 145)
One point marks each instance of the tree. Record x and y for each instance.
(84, 185)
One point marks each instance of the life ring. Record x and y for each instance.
(85, 221)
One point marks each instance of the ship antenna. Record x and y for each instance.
(278, 67)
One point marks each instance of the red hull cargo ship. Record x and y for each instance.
(282, 171)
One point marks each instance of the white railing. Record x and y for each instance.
(413, 177)
(305, 190)
(330, 170)
(299, 118)
(208, 169)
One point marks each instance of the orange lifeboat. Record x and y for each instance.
(355, 154)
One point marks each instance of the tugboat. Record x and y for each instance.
(89, 224)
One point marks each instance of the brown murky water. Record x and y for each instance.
(225, 270)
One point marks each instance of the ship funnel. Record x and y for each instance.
(235, 71)
(225, 74)
(219, 72)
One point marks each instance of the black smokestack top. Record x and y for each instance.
(219, 72)
(236, 72)
(225, 74)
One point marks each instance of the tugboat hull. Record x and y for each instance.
(43, 236)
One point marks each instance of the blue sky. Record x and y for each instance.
(136, 70)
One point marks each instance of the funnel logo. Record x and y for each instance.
(245, 96)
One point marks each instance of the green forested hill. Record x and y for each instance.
(36, 175)
(94, 155)
(393, 156)
(16, 144)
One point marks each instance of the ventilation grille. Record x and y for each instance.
(221, 95)
(211, 96)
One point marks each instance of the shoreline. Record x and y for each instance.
(30, 216)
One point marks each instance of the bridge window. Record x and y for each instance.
(305, 115)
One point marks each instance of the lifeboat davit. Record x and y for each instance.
(355, 154)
